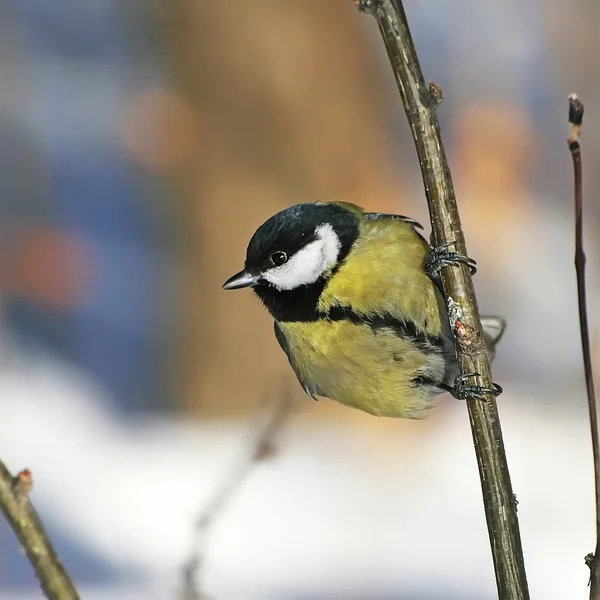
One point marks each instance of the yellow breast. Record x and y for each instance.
(359, 367)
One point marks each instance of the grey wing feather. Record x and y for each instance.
(373, 216)
(310, 389)
(493, 330)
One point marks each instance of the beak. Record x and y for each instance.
(241, 280)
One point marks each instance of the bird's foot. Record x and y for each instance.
(441, 257)
(461, 390)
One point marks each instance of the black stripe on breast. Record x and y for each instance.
(405, 329)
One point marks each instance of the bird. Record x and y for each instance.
(358, 307)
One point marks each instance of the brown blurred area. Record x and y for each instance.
(265, 103)
(288, 107)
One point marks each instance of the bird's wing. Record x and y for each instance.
(375, 216)
(384, 275)
(310, 388)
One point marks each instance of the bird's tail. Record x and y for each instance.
(493, 330)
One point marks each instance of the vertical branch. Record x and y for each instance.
(575, 122)
(22, 517)
(420, 104)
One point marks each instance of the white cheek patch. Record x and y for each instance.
(309, 263)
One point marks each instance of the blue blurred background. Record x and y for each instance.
(141, 144)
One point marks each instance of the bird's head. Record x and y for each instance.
(292, 255)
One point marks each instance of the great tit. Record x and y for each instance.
(357, 307)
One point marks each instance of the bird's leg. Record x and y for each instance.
(441, 257)
(463, 391)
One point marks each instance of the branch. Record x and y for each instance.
(25, 522)
(420, 103)
(575, 122)
(263, 447)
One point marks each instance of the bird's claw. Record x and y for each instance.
(463, 391)
(441, 257)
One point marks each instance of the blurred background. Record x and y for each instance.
(141, 144)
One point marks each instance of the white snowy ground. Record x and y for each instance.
(353, 507)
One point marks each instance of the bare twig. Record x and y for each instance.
(575, 122)
(25, 522)
(262, 448)
(420, 103)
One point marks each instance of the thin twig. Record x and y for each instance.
(420, 103)
(25, 522)
(262, 448)
(575, 122)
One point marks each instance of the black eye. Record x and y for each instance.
(278, 258)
